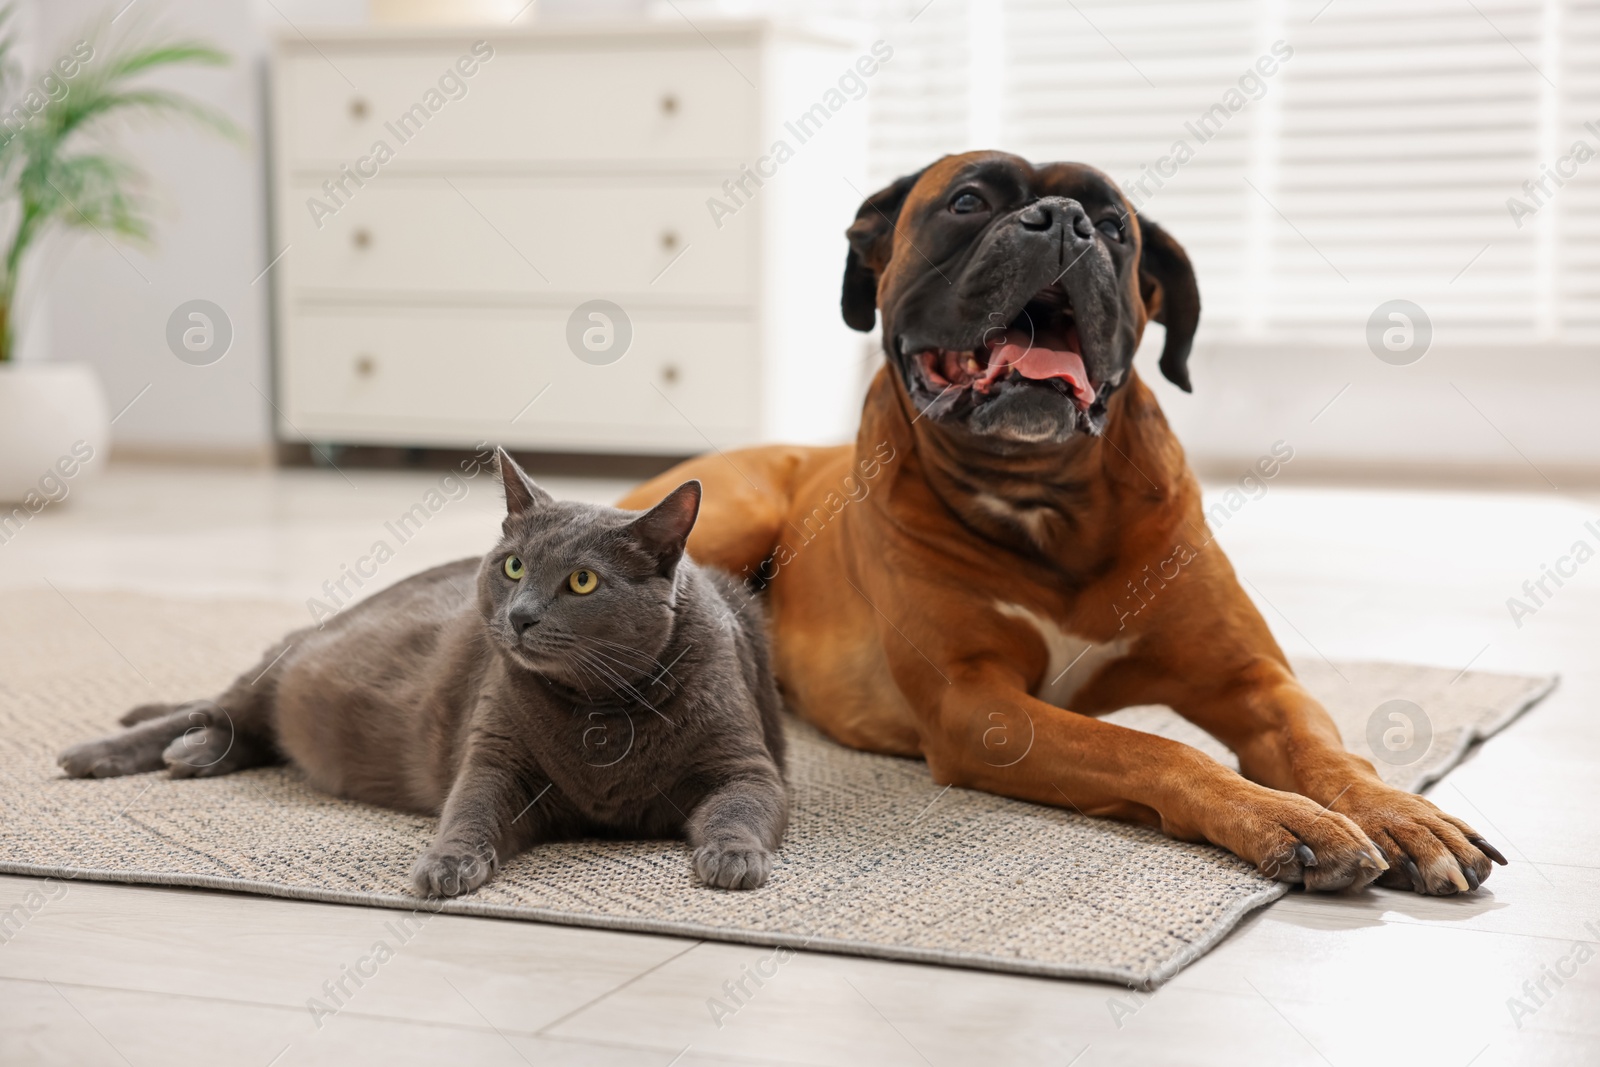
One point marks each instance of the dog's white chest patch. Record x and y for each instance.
(1073, 660)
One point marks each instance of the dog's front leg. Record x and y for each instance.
(1284, 738)
(988, 733)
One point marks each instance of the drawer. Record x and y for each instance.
(526, 105)
(423, 376)
(543, 237)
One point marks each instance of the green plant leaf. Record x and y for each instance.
(121, 64)
(56, 182)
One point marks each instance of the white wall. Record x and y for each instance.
(109, 306)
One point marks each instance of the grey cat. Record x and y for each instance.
(598, 683)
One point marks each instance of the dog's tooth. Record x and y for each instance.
(972, 366)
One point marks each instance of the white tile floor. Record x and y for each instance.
(136, 975)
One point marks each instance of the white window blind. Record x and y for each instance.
(1577, 246)
(1119, 85)
(1374, 163)
(1404, 130)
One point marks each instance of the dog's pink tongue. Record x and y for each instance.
(1042, 363)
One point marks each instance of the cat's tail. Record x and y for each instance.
(144, 713)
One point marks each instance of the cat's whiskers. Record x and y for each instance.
(666, 672)
(622, 665)
(648, 660)
(606, 666)
(609, 677)
(621, 647)
(566, 646)
(638, 696)
(582, 672)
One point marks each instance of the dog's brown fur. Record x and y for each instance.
(914, 621)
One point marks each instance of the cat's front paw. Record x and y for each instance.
(451, 870)
(732, 868)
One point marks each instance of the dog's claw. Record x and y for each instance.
(1307, 857)
(1457, 879)
(1373, 863)
(1488, 850)
(1472, 879)
(1410, 867)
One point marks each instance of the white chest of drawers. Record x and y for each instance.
(425, 287)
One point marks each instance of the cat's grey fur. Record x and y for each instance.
(526, 713)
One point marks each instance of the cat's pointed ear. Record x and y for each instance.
(664, 529)
(522, 495)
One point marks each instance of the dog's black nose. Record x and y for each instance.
(1043, 215)
(1036, 217)
(523, 619)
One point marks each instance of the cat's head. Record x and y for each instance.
(582, 593)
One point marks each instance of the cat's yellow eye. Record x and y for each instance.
(583, 581)
(514, 568)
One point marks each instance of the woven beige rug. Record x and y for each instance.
(878, 860)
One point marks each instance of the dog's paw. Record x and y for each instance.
(1298, 841)
(1427, 851)
(109, 757)
(451, 870)
(732, 868)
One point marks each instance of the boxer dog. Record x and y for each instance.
(1015, 544)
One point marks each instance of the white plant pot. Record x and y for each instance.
(55, 432)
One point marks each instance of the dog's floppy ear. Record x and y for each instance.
(1172, 298)
(870, 237)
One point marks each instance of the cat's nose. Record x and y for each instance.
(523, 619)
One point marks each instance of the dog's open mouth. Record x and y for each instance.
(1040, 345)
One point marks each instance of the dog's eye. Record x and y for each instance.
(583, 581)
(966, 202)
(1112, 228)
(514, 568)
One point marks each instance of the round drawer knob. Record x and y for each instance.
(358, 108)
(362, 238)
(670, 374)
(669, 104)
(366, 366)
(669, 240)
